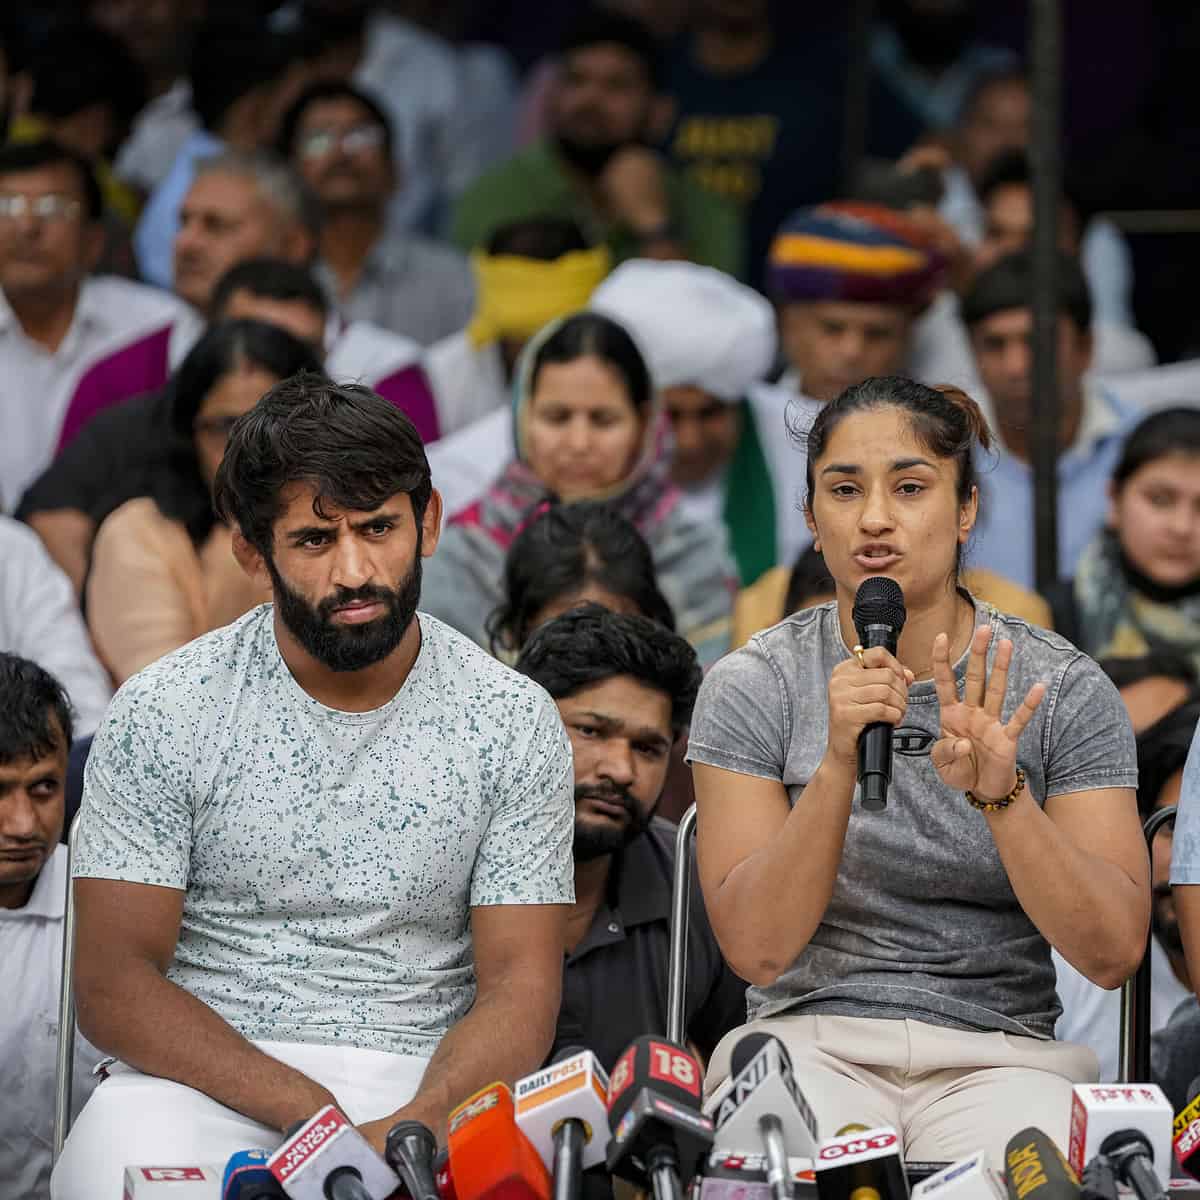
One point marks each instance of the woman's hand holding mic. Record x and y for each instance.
(862, 690)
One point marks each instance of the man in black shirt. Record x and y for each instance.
(625, 687)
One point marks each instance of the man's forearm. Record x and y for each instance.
(501, 1038)
(1187, 906)
(143, 1019)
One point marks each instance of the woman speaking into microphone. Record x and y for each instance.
(903, 955)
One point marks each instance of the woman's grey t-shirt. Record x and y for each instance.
(923, 922)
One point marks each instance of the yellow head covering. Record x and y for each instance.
(517, 296)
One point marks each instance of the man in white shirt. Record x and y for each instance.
(35, 733)
(326, 851)
(40, 620)
(55, 317)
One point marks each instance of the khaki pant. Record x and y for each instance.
(946, 1092)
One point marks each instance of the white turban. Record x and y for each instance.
(695, 326)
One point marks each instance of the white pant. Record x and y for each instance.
(947, 1092)
(134, 1119)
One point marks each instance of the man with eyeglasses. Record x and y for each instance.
(338, 139)
(55, 316)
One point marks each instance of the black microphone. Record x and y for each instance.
(878, 618)
(1132, 1158)
(1098, 1180)
(1034, 1168)
(409, 1150)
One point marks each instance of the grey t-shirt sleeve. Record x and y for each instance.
(1185, 849)
(525, 856)
(742, 716)
(1089, 741)
(137, 810)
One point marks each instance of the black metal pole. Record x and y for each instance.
(858, 91)
(1045, 56)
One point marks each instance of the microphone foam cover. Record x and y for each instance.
(749, 1046)
(878, 601)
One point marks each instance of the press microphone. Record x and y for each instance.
(563, 1110)
(489, 1155)
(1186, 1132)
(1098, 1181)
(766, 1108)
(1035, 1168)
(326, 1158)
(409, 1150)
(862, 1166)
(878, 619)
(738, 1175)
(171, 1183)
(1099, 1110)
(248, 1177)
(442, 1175)
(658, 1131)
(971, 1178)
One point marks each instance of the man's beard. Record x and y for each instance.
(1165, 924)
(349, 647)
(592, 842)
(589, 157)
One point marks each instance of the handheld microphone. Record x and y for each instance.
(1132, 1159)
(658, 1130)
(969, 1179)
(326, 1158)
(409, 1150)
(735, 1175)
(1098, 1181)
(1186, 1133)
(862, 1166)
(489, 1155)
(247, 1177)
(1034, 1167)
(562, 1109)
(879, 616)
(766, 1108)
(1101, 1109)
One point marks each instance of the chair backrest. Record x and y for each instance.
(64, 1068)
(680, 900)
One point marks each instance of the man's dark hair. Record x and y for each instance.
(1125, 672)
(229, 58)
(32, 156)
(269, 279)
(597, 27)
(545, 238)
(589, 644)
(349, 444)
(80, 65)
(1008, 284)
(1162, 749)
(984, 82)
(1012, 168)
(35, 712)
(330, 89)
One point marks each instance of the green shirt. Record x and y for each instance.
(535, 183)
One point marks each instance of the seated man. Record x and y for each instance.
(123, 445)
(339, 140)
(998, 311)
(35, 732)
(596, 168)
(849, 281)
(708, 341)
(325, 850)
(56, 315)
(625, 686)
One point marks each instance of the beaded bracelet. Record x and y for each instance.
(988, 806)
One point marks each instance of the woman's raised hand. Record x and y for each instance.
(977, 751)
(861, 693)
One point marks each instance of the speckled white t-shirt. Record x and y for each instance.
(330, 860)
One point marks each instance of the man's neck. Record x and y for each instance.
(17, 895)
(46, 317)
(725, 53)
(1018, 440)
(350, 691)
(591, 882)
(346, 239)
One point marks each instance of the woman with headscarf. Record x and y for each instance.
(163, 570)
(587, 426)
(1137, 587)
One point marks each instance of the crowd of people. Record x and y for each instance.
(581, 338)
